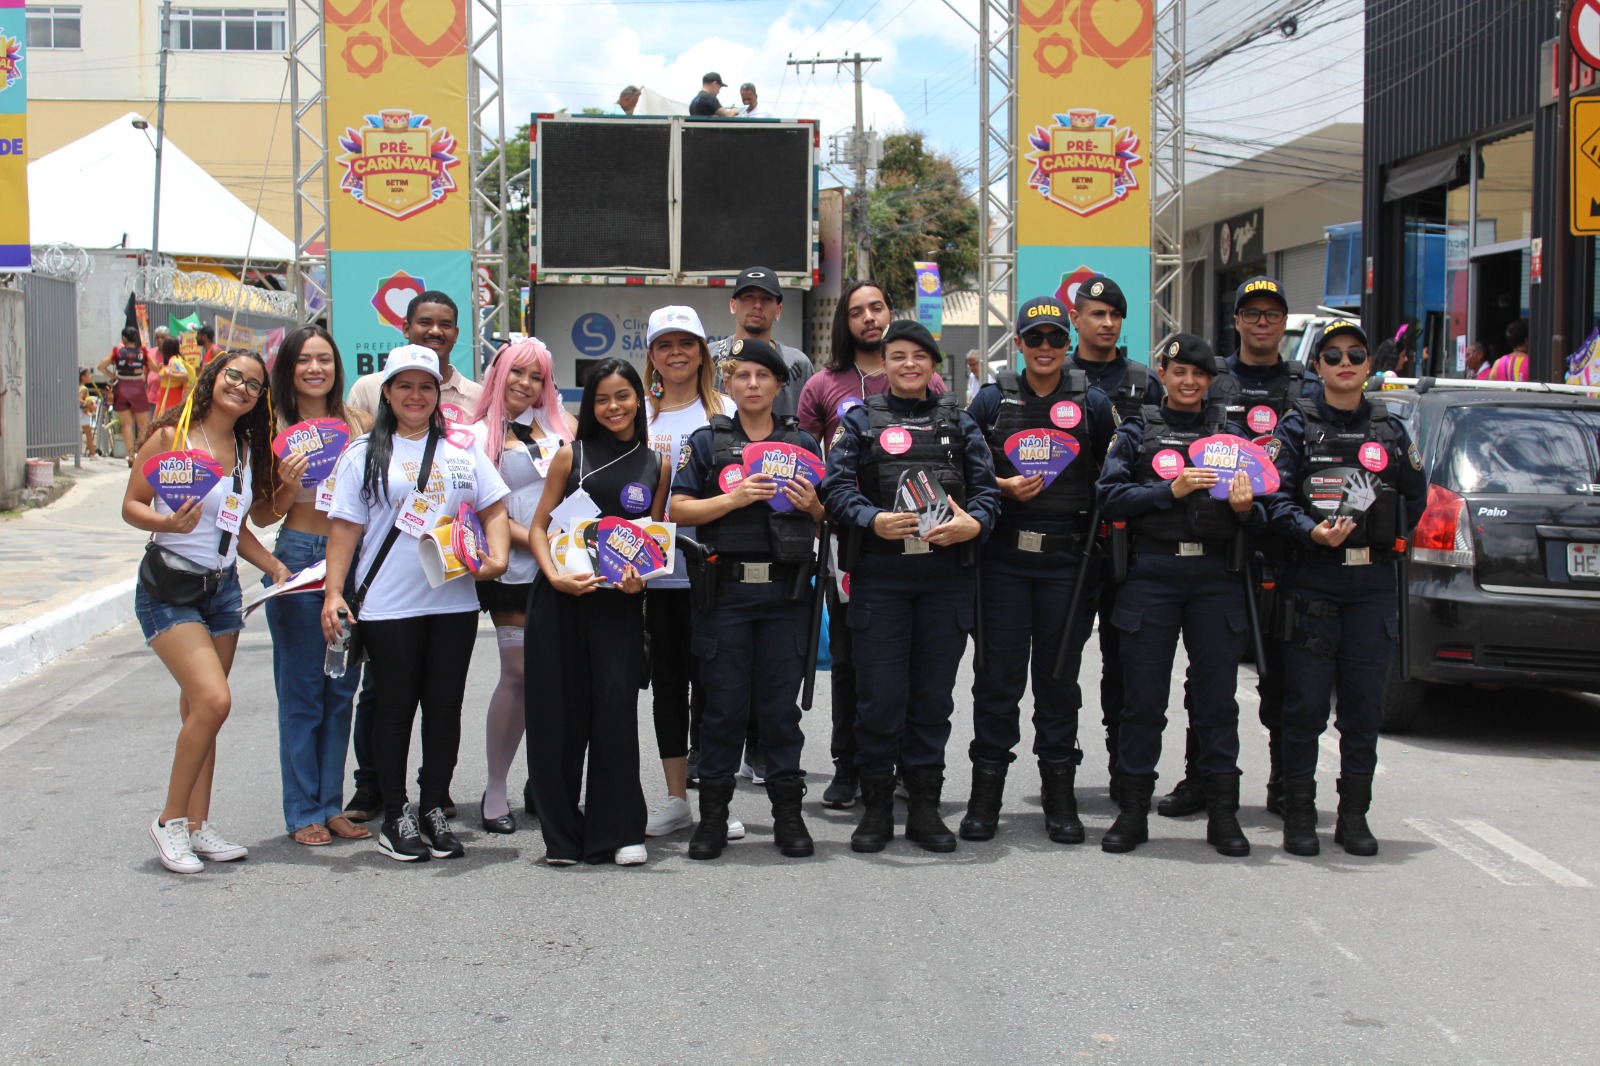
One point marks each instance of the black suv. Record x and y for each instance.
(1505, 563)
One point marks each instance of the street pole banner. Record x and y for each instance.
(396, 87)
(1083, 125)
(15, 253)
(930, 298)
(374, 289)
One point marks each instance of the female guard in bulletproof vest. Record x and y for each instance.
(1179, 582)
(1352, 491)
(911, 481)
(584, 639)
(1047, 432)
(752, 603)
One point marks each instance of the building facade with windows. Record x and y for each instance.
(92, 61)
(1460, 185)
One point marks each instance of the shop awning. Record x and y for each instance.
(1422, 173)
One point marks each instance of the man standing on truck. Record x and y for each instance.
(756, 306)
(705, 103)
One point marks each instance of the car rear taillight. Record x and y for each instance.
(1444, 536)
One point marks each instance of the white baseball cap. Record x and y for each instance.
(411, 357)
(674, 318)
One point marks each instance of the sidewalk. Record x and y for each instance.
(67, 569)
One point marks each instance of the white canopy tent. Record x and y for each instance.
(98, 191)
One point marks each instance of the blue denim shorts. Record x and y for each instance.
(222, 612)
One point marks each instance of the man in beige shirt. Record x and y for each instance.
(431, 321)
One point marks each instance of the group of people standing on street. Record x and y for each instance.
(1070, 488)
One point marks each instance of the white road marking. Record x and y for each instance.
(1482, 858)
(1524, 854)
(35, 717)
(1340, 948)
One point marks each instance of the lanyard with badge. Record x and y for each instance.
(580, 504)
(230, 516)
(394, 530)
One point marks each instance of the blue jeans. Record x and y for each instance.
(220, 613)
(313, 709)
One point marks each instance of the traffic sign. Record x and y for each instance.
(1584, 29)
(1584, 207)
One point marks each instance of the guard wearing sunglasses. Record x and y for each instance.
(1346, 466)
(1047, 431)
(1257, 386)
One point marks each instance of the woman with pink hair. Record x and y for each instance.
(520, 425)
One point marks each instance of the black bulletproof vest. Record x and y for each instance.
(1073, 491)
(756, 532)
(1196, 517)
(1242, 397)
(1334, 470)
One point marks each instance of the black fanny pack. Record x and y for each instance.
(174, 580)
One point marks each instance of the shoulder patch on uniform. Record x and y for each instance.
(1414, 457)
(1272, 448)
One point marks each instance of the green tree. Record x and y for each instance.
(918, 210)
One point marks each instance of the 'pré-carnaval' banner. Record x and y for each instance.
(15, 254)
(1083, 175)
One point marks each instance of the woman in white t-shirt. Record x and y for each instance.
(419, 638)
(520, 425)
(681, 385)
(192, 620)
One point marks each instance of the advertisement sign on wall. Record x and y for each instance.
(15, 254)
(1083, 107)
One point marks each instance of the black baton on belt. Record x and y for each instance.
(1402, 545)
(1091, 542)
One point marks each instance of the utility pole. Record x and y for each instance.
(1561, 240)
(858, 154)
(161, 132)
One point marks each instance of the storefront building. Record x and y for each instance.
(1459, 215)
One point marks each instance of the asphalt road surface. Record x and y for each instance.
(1473, 936)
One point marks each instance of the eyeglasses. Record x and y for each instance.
(1273, 315)
(236, 377)
(1055, 338)
(1336, 357)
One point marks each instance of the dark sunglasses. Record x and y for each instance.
(1334, 357)
(1055, 338)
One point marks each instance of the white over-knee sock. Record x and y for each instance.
(505, 722)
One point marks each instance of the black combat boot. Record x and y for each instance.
(1056, 781)
(1350, 831)
(1222, 816)
(877, 813)
(1132, 826)
(923, 824)
(983, 809)
(711, 833)
(1275, 773)
(1189, 796)
(788, 827)
(1300, 817)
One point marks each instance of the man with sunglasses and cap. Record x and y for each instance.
(1098, 310)
(756, 306)
(1257, 386)
(1049, 422)
(1178, 584)
(1352, 491)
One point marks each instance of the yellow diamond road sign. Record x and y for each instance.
(1585, 174)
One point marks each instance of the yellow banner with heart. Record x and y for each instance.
(396, 85)
(1083, 122)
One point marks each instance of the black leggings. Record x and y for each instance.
(418, 660)
(676, 701)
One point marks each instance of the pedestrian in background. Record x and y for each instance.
(1513, 366)
(88, 407)
(307, 382)
(128, 396)
(419, 638)
(520, 425)
(584, 639)
(188, 598)
(627, 100)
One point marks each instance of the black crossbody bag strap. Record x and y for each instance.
(394, 531)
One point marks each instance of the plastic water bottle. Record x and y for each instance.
(338, 648)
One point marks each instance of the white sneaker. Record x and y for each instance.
(172, 845)
(670, 816)
(632, 855)
(213, 847)
(735, 828)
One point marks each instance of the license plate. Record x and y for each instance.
(1583, 560)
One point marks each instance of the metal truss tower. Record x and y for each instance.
(490, 191)
(997, 172)
(1167, 70)
(309, 156)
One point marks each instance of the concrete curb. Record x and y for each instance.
(27, 646)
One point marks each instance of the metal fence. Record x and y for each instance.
(51, 341)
